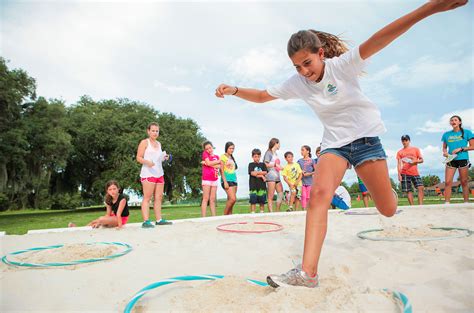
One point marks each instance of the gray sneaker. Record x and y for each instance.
(294, 277)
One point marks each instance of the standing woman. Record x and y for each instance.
(150, 156)
(273, 176)
(457, 141)
(229, 177)
(210, 169)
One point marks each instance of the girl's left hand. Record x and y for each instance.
(455, 151)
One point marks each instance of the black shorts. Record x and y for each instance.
(408, 180)
(230, 183)
(458, 163)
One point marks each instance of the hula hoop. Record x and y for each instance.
(406, 305)
(467, 233)
(142, 292)
(15, 263)
(242, 231)
(368, 213)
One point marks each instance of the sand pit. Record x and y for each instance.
(436, 276)
(64, 255)
(250, 227)
(425, 233)
(236, 294)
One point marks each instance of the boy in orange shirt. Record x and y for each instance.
(408, 159)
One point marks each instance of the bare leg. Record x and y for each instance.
(329, 170)
(448, 180)
(271, 192)
(148, 189)
(212, 200)
(365, 198)
(279, 189)
(231, 198)
(410, 197)
(206, 191)
(464, 174)
(157, 199)
(375, 177)
(421, 195)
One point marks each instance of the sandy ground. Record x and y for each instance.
(437, 276)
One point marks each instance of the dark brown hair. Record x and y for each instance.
(108, 198)
(227, 146)
(152, 124)
(312, 40)
(272, 143)
(460, 124)
(307, 148)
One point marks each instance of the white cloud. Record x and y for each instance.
(429, 71)
(259, 65)
(442, 124)
(171, 88)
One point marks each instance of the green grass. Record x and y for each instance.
(19, 222)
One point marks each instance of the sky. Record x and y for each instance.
(172, 56)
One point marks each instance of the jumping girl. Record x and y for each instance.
(229, 176)
(457, 141)
(151, 157)
(210, 169)
(116, 205)
(327, 80)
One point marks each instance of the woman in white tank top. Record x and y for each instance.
(151, 157)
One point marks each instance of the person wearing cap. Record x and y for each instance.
(408, 159)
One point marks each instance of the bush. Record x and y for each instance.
(65, 201)
(4, 205)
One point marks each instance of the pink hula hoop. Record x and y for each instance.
(221, 228)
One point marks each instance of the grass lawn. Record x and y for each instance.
(19, 222)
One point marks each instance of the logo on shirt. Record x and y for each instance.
(332, 89)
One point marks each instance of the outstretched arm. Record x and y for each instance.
(392, 31)
(254, 95)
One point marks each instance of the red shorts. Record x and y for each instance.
(154, 180)
(124, 218)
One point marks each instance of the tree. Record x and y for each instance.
(49, 145)
(430, 180)
(105, 136)
(15, 88)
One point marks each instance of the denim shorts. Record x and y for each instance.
(360, 151)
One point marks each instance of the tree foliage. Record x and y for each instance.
(53, 155)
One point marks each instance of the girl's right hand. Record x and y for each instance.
(224, 90)
(445, 5)
(445, 154)
(150, 163)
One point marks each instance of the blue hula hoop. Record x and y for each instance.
(407, 308)
(52, 264)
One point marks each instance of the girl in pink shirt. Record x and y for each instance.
(210, 169)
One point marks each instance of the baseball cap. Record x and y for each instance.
(405, 137)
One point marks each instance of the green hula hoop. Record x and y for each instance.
(467, 233)
(406, 305)
(5, 259)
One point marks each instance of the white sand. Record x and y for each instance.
(437, 276)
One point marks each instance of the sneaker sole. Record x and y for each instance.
(271, 282)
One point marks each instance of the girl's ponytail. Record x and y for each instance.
(313, 40)
(333, 45)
